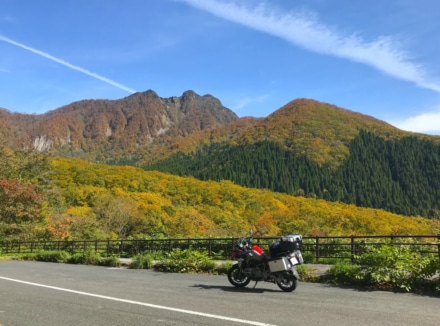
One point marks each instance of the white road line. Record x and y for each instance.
(184, 311)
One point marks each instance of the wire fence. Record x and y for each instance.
(319, 247)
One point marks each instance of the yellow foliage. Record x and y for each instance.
(82, 212)
(266, 226)
(176, 206)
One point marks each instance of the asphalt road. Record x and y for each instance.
(33, 293)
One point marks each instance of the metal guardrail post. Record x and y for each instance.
(317, 253)
(438, 245)
(352, 248)
(210, 247)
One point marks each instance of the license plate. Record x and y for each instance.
(294, 261)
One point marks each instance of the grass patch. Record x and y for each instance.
(188, 261)
(141, 261)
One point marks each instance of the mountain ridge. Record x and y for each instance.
(143, 127)
(305, 148)
(116, 126)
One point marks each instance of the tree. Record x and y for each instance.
(266, 226)
(29, 165)
(20, 208)
(116, 214)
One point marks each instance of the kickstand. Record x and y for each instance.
(256, 282)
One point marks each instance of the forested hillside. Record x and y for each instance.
(304, 149)
(43, 198)
(125, 201)
(319, 131)
(400, 175)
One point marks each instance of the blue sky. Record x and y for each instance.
(376, 57)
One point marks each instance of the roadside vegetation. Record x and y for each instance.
(385, 267)
(388, 267)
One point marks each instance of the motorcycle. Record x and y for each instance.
(279, 268)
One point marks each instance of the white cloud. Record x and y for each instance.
(69, 65)
(304, 30)
(243, 102)
(428, 123)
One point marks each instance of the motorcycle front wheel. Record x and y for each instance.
(237, 278)
(287, 282)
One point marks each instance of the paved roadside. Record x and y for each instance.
(317, 269)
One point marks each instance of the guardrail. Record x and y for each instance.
(328, 247)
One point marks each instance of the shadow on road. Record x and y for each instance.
(231, 288)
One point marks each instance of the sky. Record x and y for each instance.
(376, 57)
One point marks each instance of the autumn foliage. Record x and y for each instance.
(105, 201)
(19, 209)
(73, 199)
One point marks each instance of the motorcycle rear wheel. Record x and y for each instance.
(237, 278)
(287, 282)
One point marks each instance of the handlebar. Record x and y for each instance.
(245, 242)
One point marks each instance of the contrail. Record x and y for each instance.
(69, 65)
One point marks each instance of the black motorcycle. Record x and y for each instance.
(279, 268)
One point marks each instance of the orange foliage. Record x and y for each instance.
(177, 206)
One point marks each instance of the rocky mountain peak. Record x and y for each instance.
(113, 128)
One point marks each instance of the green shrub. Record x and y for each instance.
(306, 273)
(395, 267)
(141, 262)
(110, 261)
(344, 273)
(309, 257)
(157, 255)
(48, 256)
(188, 261)
(389, 267)
(28, 256)
(219, 255)
(6, 258)
(208, 266)
(86, 258)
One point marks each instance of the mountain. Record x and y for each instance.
(144, 128)
(314, 149)
(100, 130)
(305, 148)
(320, 131)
